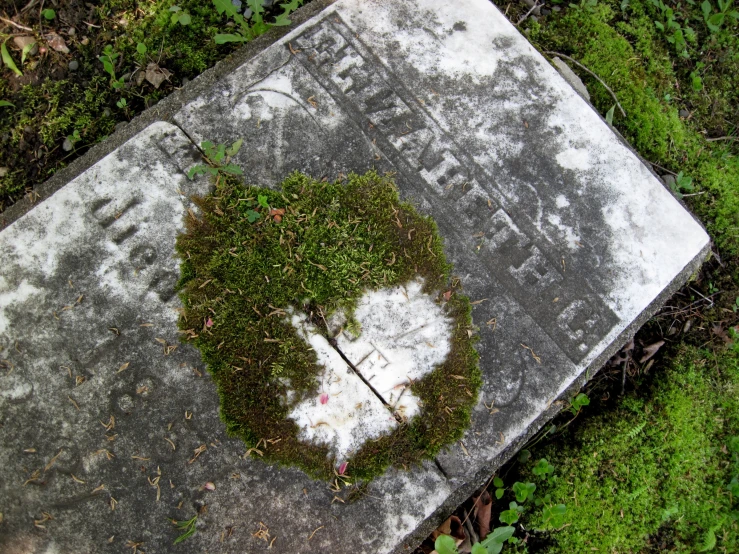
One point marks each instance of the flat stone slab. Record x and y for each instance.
(563, 239)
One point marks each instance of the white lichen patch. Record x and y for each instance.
(400, 336)
(403, 336)
(344, 413)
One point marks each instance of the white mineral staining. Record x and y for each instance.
(562, 201)
(10, 295)
(403, 336)
(344, 413)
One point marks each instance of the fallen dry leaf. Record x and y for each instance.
(447, 295)
(452, 526)
(483, 508)
(156, 75)
(57, 43)
(650, 351)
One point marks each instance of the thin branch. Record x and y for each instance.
(663, 168)
(581, 66)
(14, 24)
(528, 13)
(721, 138)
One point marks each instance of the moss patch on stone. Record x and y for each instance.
(315, 246)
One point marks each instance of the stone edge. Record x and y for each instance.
(465, 490)
(164, 110)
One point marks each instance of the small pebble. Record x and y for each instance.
(72, 31)
(248, 13)
(3, 171)
(556, 8)
(545, 11)
(74, 65)
(107, 112)
(236, 3)
(85, 41)
(67, 145)
(684, 113)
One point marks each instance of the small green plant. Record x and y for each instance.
(179, 16)
(187, 527)
(682, 184)
(108, 59)
(218, 159)
(141, 48)
(122, 103)
(735, 307)
(511, 515)
(251, 27)
(49, 14)
(500, 490)
(554, 515)
(26, 49)
(492, 544)
(714, 21)
(668, 22)
(8, 59)
(696, 81)
(609, 115)
(523, 491)
(5, 103)
(674, 33)
(75, 137)
(578, 403)
(543, 469)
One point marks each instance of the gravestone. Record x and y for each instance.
(564, 241)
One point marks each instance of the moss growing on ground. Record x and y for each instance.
(315, 246)
(652, 475)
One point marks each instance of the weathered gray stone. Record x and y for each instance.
(560, 234)
(95, 391)
(571, 77)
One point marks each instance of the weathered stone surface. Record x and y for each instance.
(557, 231)
(96, 392)
(554, 225)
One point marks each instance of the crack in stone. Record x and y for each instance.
(355, 369)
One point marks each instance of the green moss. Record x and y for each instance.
(333, 242)
(657, 465)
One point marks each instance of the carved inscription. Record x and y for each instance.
(117, 219)
(434, 167)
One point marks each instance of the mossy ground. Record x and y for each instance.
(52, 102)
(652, 474)
(332, 242)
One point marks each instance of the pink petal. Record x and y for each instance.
(342, 468)
(209, 323)
(209, 486)
(324, 398)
